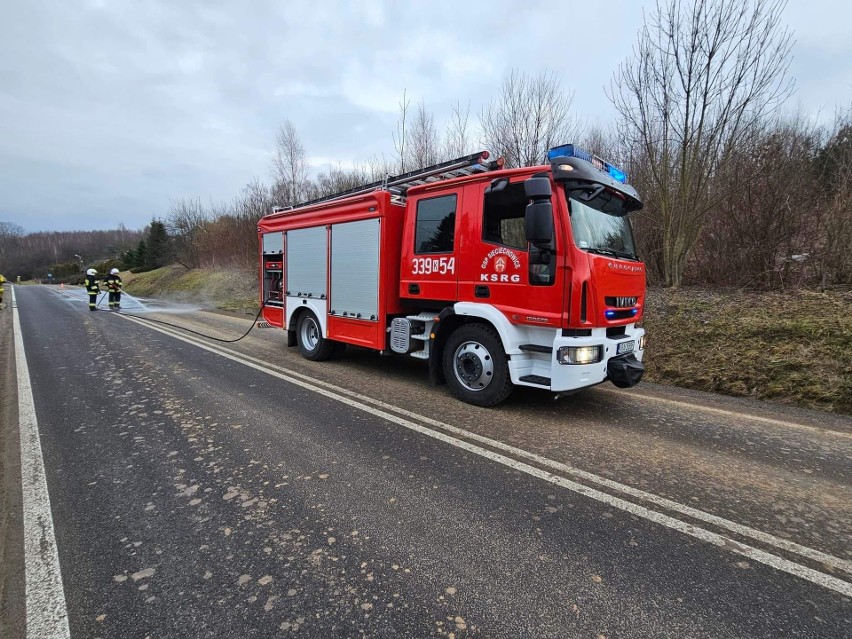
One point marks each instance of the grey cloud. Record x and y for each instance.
(111, 109)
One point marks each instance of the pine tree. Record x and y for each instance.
(141, 254)
(158, 246)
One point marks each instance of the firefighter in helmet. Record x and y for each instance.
(113, 283)
(2, 282)
(92, 288)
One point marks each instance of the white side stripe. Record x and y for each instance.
(47, 615)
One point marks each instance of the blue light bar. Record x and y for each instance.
(572, 151)
(569, 151)
(617, 174)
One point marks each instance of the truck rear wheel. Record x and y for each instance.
(476, 367)
(312, 344)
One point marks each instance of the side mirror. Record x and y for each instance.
(538, 224)
(538, 188)
(538, 220)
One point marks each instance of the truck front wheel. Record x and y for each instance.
(476, 367)
(312, 344)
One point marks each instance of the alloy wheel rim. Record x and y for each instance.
(310, 334)
(473, 366)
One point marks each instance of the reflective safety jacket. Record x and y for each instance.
(92, 287)
(112, 283)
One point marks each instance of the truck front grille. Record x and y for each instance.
(620, 302)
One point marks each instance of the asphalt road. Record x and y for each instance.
(203, 489)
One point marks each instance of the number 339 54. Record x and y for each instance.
(433, 265)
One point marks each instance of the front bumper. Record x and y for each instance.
(569, 377)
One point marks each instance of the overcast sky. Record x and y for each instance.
(109, 109)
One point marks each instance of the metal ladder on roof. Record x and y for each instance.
(398, 185)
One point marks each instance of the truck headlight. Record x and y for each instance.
(579, 354)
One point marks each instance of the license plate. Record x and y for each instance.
(625, 347)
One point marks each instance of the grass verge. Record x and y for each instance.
(789, 347)
(224, 289)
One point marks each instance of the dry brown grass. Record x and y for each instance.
(227, 289)
(794, 347)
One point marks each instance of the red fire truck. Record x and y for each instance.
(496, 277)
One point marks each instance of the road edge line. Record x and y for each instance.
(44, 599)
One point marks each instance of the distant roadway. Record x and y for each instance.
(175, 486)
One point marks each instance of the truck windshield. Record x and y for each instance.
(597, 231)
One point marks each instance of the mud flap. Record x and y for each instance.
(624, 371)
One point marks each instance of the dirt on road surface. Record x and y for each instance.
(205, 417)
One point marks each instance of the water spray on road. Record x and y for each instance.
(138, 308)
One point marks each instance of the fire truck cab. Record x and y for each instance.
(496, 277)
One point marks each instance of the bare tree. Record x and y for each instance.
(528, 117)
(33, 255)
(422, 143)
(761, 221)
(835, 224)
(701, 75)
(377, 168)
(606, 144)
(399, 140)
(9, 236)
(8, 229)
(457, 140)
(338, 179)
(289, 166)
(186, 224)
(254, 202)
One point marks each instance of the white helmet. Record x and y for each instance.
(114, 271)
(91, 271)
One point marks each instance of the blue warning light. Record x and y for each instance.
(573, 151)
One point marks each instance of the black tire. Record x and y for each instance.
(313, 345)
(476, 367)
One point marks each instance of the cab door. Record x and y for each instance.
(430, 257)
(504, 270)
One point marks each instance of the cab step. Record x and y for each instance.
(538, 380)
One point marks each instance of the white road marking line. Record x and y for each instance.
(768, 559)
(728, 413)
(47, 615)
(740, 529)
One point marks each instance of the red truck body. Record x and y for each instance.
(497, 277)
